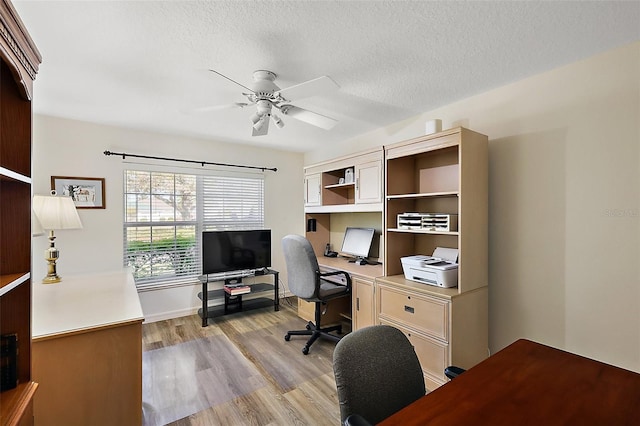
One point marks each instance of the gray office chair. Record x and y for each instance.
(306, 282)
(377, 373)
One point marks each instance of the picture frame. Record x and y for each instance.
(86, 192)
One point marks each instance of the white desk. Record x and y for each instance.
(87, 350)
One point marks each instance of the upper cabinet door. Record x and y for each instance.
(312, 189)
(369, 182)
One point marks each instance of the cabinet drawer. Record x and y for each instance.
(432, 354)
(423, 313)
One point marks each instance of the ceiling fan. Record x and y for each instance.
(266, 95)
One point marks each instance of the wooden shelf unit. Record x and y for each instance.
(446, 172)
(19, 61)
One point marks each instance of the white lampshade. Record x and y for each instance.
(36, 228)
(56, 212)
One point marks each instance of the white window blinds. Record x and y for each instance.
(166, 212)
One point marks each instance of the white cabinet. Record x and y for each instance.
(363, 312)
(369, 182)
(312, 189)
(337, 192)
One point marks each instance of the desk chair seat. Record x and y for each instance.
(377, 373)
(306, 282)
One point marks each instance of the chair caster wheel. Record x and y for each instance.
(308, 327)
(305, 350)
(287, 337)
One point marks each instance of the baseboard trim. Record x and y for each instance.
(161, 316)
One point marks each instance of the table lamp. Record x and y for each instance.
(53, 213)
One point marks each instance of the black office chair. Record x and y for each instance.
(453, 371)
(306, 282)
(377, 373)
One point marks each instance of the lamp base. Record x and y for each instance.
(51, 279)
(51, 255)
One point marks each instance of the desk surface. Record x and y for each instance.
(341, 263)
(531, 384)
(84, 302)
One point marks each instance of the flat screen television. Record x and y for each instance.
(233, 251)
(357, 243)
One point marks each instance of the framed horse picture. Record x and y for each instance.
(86, 192)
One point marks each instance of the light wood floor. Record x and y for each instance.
(237, 371)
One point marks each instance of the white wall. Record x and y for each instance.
(564, 232)
(64, 147)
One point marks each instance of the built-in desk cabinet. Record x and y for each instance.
(363, 313)
(446, 172)
(19, 62)
(348, 184)
(359, 308)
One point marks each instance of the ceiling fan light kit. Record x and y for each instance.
(266, 95)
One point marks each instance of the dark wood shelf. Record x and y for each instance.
(19, 61)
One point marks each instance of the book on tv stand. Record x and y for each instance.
(237, 289)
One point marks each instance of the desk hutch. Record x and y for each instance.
(445, 172)
(327, 200)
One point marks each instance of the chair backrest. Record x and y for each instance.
(302, 267)
(377, 373)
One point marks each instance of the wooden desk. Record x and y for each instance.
(531, 384)
(338, 309)
(341, 263)
(87, 351)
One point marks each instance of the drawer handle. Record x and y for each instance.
(409, 309)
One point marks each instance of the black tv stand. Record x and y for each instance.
(236, 303)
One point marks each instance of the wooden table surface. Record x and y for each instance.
(531, 384)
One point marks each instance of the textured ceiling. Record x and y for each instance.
(144, 64)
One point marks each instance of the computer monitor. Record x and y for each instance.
(357, 243)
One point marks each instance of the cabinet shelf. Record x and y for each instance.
(20, 397)
(10, 281)
(8, 174)
(340, 185)
(422, 231)
(423, 195)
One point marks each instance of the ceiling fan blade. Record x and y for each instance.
(309, 88)
(233, 81)
(219, 107)
(261, 131)
(310, 117)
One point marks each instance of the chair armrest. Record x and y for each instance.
(346, 275)
(452, 371)
(356, 420)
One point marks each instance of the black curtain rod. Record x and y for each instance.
(202, 163)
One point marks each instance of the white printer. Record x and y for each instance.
(440, 270)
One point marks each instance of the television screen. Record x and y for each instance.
(230, 251)
(357, 241)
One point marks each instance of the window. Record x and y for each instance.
(166, 212)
